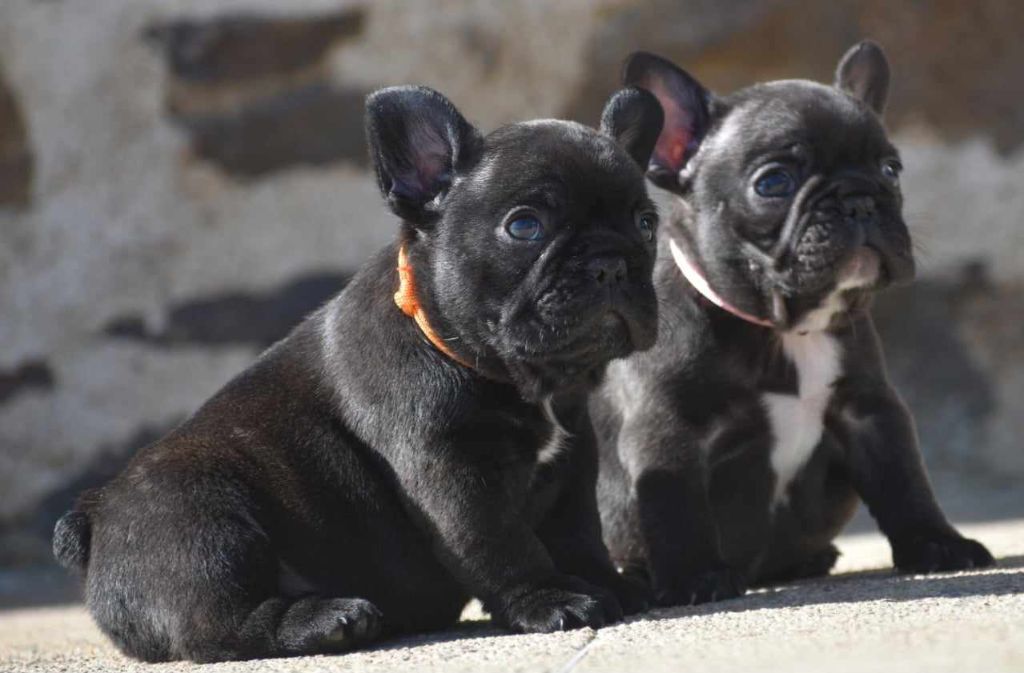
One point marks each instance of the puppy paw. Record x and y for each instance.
(715, 584)
(356, 620)
(633, 594)
(939, 552)
(567, 603)
(816, 564)
(316, 625)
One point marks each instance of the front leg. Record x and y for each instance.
(889, 474)
(571, 531)
(669, 476)
(457, 491)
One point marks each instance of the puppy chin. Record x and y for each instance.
(539, 379)
(854, 283)
(578, 362)
(611, 333)
(642, 332)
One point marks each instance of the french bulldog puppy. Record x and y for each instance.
(736, 449)
(421, 439)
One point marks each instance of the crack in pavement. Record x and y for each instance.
(571, 665)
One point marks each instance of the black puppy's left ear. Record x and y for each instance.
(633, 117)
(687, 112)
(863, 72)
(418, 140)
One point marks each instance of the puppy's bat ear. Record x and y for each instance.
(633, 117)
(863, 72)
(686, 105)
(418, 140)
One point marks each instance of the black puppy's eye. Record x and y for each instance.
(776, 183)
(646, 222)
(891, 169)
(525, 228)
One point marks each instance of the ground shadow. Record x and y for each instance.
(861, 587)
(866, 586)
(38, 587)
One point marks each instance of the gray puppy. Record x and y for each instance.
(736, 449)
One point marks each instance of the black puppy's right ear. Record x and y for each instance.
(864, 73)
(686, 105)
(417, 142)
(633, 118)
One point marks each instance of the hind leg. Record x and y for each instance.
(821, 501)
(290, 627)
(195, 577)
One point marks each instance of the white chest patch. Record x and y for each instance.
(798, 421)
(557, 441)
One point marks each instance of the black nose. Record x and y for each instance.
(860, 209)
(607, 270)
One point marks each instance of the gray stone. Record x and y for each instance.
(16, 161)
(26, 376)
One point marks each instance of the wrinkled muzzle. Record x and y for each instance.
(577, 312)
(828, 225)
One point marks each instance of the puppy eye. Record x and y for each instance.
(891, 169)
(646, 222)
(776, 183)
(525, 228)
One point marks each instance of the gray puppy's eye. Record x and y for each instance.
(891, 169)
(775, 184)
(525, 227)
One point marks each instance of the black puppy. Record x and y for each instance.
(735, 450)
(384, 463)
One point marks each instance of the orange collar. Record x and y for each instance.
(409, 303)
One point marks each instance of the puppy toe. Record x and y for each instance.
(716, 584)
(927, 554)
(634, 596)
(571, 605)
(346, 623)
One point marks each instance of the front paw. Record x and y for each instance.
(562, 604)
(937, 552)
(715, 584)
(633, 594)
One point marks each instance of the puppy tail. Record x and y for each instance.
(71, 538)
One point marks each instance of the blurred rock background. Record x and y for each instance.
(180, 182)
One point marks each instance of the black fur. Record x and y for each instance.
(355, 481)
(687, 484)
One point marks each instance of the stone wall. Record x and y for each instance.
(181, 181)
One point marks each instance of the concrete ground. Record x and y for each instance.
(862, 618)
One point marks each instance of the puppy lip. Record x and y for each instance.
(612, 319)
(888, 264)
(618, 332)
(862, 270)
(602, 335)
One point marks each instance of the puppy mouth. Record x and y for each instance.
(604, 337)
(615, 332)
(857, 279)
(569, 344)
(863, 271)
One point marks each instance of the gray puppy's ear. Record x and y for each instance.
(864, 73)
(418, 140)
(633, 117)
(687, 109)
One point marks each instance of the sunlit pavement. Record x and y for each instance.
(862, 618)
